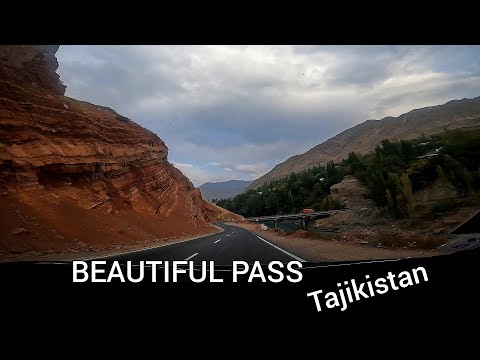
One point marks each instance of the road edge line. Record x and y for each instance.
(278, 248)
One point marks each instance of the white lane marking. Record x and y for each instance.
(276, 247)
(217, 241)
(188, 258)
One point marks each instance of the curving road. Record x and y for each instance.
(232, 244)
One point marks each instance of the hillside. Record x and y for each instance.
(215, 213)
(79, 177)
(223, 190)
(363, 137)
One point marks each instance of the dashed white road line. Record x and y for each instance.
(217, 241)
(188, 258)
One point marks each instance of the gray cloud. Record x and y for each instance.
(246, 108)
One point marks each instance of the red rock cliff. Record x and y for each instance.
(76, 176)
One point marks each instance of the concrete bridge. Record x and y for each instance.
(303, 218)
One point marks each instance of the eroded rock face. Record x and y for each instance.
(31, 66)
(352, 217)
(440, 189)
(59, 152)
(359, 210)
(351, 193)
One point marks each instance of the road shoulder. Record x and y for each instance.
(333, 250)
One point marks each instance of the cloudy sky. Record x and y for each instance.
(234, 112)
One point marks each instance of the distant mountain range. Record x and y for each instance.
(364, 137)
(223, 190)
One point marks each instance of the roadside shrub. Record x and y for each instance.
(330, 203)
(317, 206)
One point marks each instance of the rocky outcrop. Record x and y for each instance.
(364, 137)
(31, 66)
(350, 217)
(359, 210)
(351, 193)
(59, 154)
(440, 189)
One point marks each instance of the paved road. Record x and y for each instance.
(224, 248)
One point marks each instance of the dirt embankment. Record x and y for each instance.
(78, 177)
(319, 247)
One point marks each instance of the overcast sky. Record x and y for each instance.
(234, 112)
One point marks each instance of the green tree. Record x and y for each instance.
(399, 195)
(457, 174)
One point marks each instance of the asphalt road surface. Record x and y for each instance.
(230, 245)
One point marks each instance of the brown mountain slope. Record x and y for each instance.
(216, 213)
(363, 137)
(76, 176)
